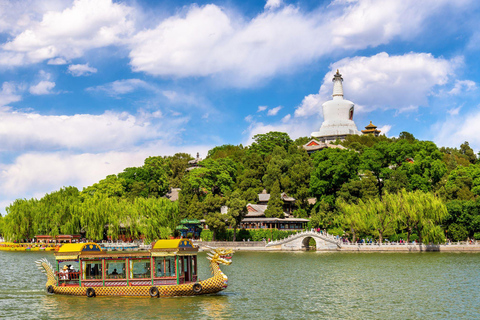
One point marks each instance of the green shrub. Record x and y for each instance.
(457, 232)
(477, 236)
(398, 236)
(336, 231)
(206, 235)
(414, 237)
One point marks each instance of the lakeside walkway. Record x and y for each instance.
(462, 246)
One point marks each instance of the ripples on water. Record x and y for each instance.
(273, 285)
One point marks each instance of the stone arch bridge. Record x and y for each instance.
(299, 241)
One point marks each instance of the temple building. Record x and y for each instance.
(256, 219)
(195, 163)
(338, 116)
(314, 145)
(371, 129)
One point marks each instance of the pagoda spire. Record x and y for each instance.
(337, 86)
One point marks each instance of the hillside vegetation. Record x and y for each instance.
(378, 188)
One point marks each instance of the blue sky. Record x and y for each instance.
(89, 87)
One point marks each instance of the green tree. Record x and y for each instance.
(265, 143)
(468, 152)
(277, 168)
(406, 136)
(275, 203)
(381, 215)
(353, 217)
(227, 151)
(216, 223)
(457, 232)
(237, 210)
(111, 186)
(331, 169)
(177, 164)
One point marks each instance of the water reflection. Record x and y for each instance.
(275, 285)
(214, 307)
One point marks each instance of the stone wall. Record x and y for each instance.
(410, 248)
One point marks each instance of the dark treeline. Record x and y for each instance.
(375, 187)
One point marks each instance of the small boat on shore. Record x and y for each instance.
(168, 269)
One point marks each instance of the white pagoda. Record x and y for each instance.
(337, 116)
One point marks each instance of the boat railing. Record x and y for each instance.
(68, 277)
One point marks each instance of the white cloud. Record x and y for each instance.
(82, 132)
(457, 129)
(382, 81)
(295, 127)
(274, 111)
(385, 129)
(34, 174)
(311, 104)
(262, 108)
(57, 61)
(9, 94)
(69, 32)
(43, 87)
(120, 87)
(16, 16)
(249, 118)
(454, 111)
(286, 118)
(78, 70)
(463, 85)
(273, 4)
(211, 41)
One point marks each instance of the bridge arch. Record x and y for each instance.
(306, 243)
(300, 241)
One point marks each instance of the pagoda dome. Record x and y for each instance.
(337, 114)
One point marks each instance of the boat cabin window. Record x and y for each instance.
(165, 267)
(139, 268)
(115, 269)
(92, 269)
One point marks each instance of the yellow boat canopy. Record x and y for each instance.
(79, 247)
(173, 244)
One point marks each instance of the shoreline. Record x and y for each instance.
(261, 246)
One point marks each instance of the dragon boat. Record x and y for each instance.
(168, 269)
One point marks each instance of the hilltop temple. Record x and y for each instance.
(338, 116)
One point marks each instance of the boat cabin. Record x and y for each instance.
(169, 262)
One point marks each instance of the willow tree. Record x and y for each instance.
(421, 212)
(433, 213)
(157, 218)
(381, 214)
(95, 215)
(353, 217)
(18, 224)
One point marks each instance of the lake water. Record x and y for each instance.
(275, 285)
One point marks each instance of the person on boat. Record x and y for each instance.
(64, 273)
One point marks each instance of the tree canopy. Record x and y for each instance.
(374, 187)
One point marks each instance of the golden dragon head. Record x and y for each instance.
(220, 256)
(45, 266)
